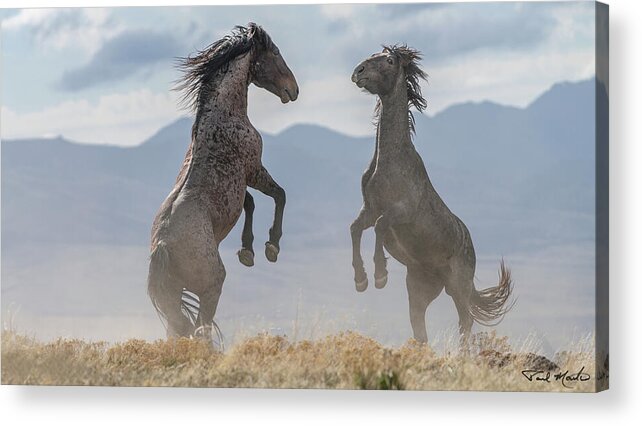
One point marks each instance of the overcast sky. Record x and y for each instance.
(104, 75)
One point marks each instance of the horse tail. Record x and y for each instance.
(157, 279)
(158, 291)
(489, 306)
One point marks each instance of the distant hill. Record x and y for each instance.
(76, 221)
(519, 178)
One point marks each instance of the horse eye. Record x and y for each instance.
(276, 51)
(390, 61)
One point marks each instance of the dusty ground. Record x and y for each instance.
(344, 361)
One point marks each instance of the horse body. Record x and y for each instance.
(413, 192)
(225, 151)
(210, 192)
(411, 220)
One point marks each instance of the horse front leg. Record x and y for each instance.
(263, 182)
(361, 223)
(246, 254)
(392, 217)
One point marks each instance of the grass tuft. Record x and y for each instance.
(346, 360)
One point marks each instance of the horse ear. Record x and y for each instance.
(386, 49)
(251, 29)
(255, 33)
(403, 54)
(405, 57)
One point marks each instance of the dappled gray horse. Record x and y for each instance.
(223, 159)
(410, 219)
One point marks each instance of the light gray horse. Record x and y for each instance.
(410, 219)
(223, 159)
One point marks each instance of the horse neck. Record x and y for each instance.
(225, 97)
(393, 131)
(225, 102)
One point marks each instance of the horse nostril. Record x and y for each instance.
(361, 69)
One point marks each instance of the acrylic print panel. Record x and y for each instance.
(184, 200)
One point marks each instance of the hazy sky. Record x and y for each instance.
(101, 75)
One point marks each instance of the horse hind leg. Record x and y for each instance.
(460, 288)
(211, 288)
(422, 290)
(465, 321)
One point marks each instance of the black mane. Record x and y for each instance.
(410, 57)
(198, 70)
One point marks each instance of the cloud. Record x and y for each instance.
(122, 56)
(64, 28)
(405, 9)
(30, 18)
(339, 11)
(122, 119)
(127, 119)
(442, 31)
(6, 14)
(480, 77)
(505, 52)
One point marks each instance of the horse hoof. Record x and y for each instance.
(271, 252)
(361, 286)
(381, 282)
(203, 333)
(246, 257)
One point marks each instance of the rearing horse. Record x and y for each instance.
(410, 219)
(223, 159)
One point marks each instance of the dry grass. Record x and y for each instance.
(344, 361)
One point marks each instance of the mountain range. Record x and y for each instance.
(76, 220)
(518, 177)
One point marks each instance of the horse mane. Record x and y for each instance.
(410, 58)
(200, 69)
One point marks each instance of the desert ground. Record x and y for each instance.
(345, 360)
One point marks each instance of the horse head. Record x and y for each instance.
(393, 72)
(269, 69)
